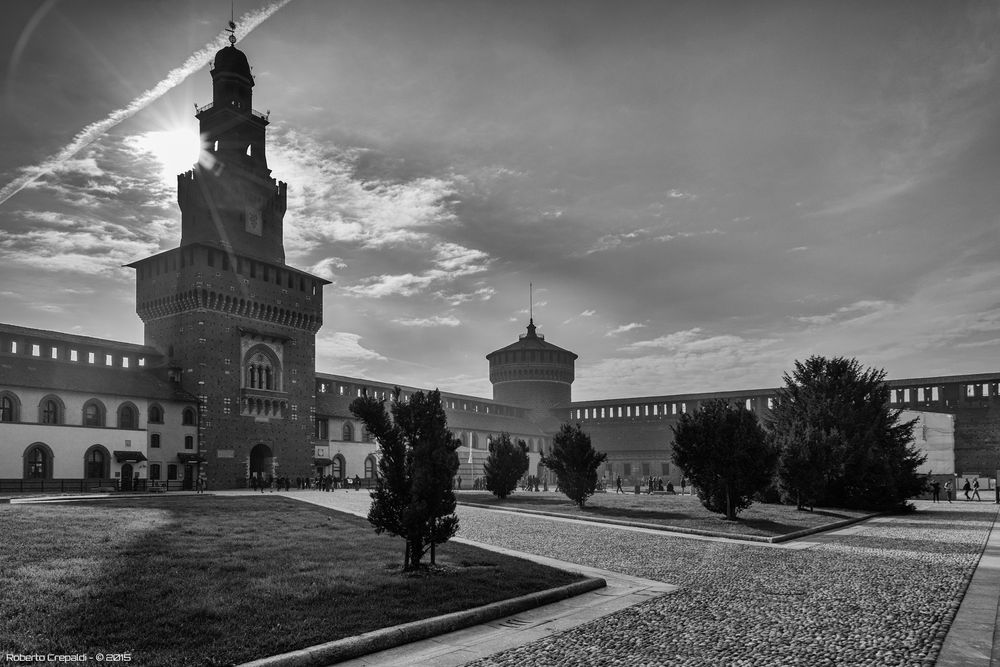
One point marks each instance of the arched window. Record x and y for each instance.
(96, 463)
(369, 467)
(188, 417)
(261, 369)
(93, 413)
(8, 407)
(38, 462)
(50, 410)
(155, 414)
(338, 467)
(188, 442)
(347, 433)
(128, 416)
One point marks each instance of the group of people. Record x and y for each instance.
(968, 487)
(318, 483)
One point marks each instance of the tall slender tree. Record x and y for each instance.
(575, 462)
(413, 498)
(840, 442)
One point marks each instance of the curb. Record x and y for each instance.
(686, 531)
(386, 638)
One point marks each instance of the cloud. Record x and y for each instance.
(624, 328)
(94, 131)
(328, 203)
(481, 294)
(325, 267)
(344, 347)
(451, 261)
(436, 321)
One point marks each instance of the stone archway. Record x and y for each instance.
(261, 462)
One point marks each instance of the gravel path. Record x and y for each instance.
(882, 596)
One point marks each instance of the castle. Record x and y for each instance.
(224, 386)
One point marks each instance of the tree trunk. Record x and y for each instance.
(729, 505)
(433, 536)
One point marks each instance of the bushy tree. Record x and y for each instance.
(575, 462)
(413, 497)
(840, 443)
(724, 453)
(505, 465)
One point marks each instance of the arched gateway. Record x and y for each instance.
(261, 462)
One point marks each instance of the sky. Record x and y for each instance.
(699, 192)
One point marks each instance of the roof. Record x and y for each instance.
(232, 60)
(41, 373)
(531, 341)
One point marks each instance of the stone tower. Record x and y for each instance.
(532, 373)
(237, 325)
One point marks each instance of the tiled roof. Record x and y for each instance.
(40, 373)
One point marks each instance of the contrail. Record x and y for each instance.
(94, 131)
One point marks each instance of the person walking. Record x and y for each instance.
(618, 488)
(936, 490)
(975, 489)
(967, 487)
(947, 490)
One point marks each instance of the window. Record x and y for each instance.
(154, 472)
(55, 352)
(188, 442)
(96, 463)
(970, 390)
(128, 417)
(154, 441)
(365, 435)
(261, 370)
(36, 350)
(91, 357)
(125, 362)
(74, 355)
(8, 408)
(188, 417)
(51, 411)
(322, 429)
(108, 360)
(38, 463)
(338, 467)
(906, 395)
(770, 403)
(920, 394)
(893, 396)
(369, 467)
(749, 404)
(172, 472)
(627, 469)
(13, 347)
(475, 441)
(93, 413)
(935, 396)
(347, 433)
(155, 414)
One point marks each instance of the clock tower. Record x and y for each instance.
(236, 325)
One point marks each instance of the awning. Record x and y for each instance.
(190, 457)
(122, 455)
(322, 462)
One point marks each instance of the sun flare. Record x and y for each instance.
(176, 150)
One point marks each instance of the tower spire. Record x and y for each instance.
(531, 305)
(232, 23)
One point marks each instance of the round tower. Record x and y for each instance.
(532, 373)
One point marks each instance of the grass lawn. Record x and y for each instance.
(203, 580)
(670, 510)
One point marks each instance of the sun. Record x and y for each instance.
(176, 150)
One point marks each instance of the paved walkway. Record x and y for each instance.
(973, 640)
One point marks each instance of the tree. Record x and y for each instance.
(724, 453)
(840, 443)
(505, 465)
(413, 498)
(574, 462)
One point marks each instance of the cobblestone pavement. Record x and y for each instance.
(882, 595)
